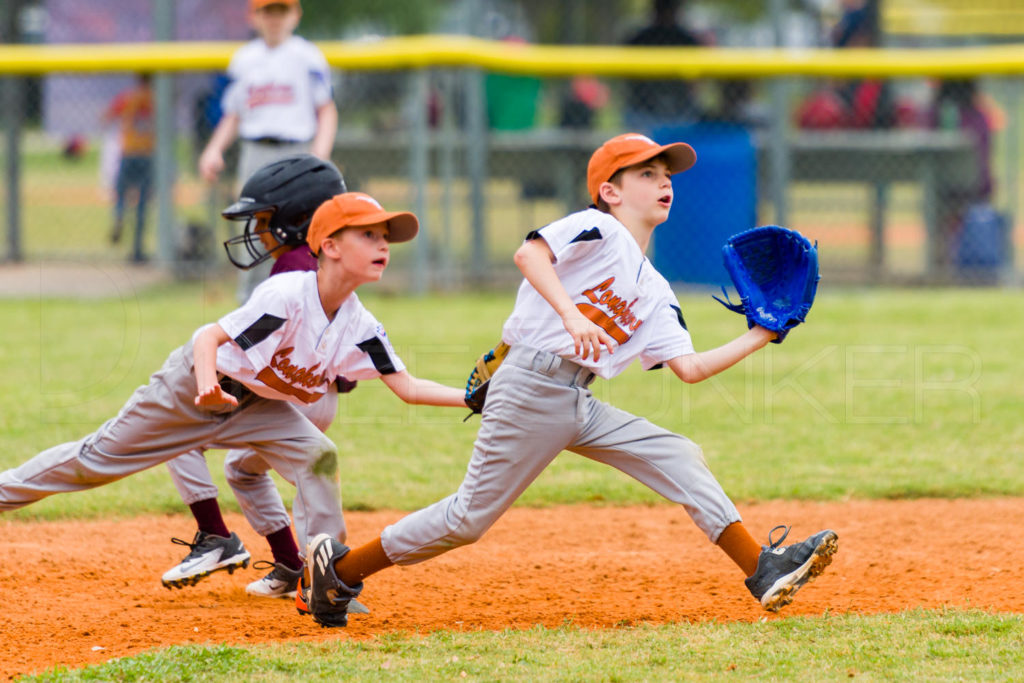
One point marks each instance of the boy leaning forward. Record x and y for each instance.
(236, 383)
(591, 303)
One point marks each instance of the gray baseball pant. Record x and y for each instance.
(160, 421)
(247, 474)
(538, 404)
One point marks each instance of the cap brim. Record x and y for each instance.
(680, 156)
(402, 225)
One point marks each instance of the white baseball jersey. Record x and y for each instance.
(611, 282)
(276, 91)
(285, 347)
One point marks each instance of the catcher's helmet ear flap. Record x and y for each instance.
(291, 189)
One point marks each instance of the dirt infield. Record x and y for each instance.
(79, 593)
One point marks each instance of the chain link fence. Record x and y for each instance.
(908, 180)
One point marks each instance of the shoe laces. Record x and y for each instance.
(278, 571)
(776, 543)
(201, 541)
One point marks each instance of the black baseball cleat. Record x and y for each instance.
(207, 554)
(782, 571)
(327, 598)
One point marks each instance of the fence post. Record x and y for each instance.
(778, 139)
(418, 173)
(476, 162)
(163, 30)
(446, 162)
(12, 89)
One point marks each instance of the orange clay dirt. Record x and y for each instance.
(80, 593)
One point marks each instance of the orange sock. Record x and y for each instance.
(741, 547)
(360, 562)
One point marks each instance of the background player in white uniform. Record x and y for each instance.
(279, 102)
(236, 384)
(587, 285)
(277, 204)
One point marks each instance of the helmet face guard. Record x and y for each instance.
(246, 251)
(289, 191)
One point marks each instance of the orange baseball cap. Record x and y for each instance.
(357, 208)
(260, 4)
(629, 149)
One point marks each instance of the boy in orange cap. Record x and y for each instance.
(590, 304)
(236, 383)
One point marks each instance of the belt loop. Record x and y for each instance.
(583, 377)
(545, 363)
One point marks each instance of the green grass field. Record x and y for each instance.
(883, 394)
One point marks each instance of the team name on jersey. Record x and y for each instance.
(287, 377)
(617, 318)
(272, 93)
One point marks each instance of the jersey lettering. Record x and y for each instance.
(272, 93)
(288, 378)
(617, 317)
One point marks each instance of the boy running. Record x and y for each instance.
(237, 383)
(591, 303)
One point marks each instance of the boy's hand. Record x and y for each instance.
(213, 397)
(211, 163)
(587, 336)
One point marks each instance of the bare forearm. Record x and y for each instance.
(326, 128)
(699, 366)
(424, 391)
(204, 357)
(224, 134)
(534, 261)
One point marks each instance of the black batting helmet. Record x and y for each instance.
(291, 188)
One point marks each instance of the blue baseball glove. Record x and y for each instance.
(775, 272)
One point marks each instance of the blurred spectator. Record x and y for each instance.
(207, 113)
(133, 110)
(584, 96)
(652, 103)
(964, 212)
(737, 106)
(851, 103)
(74, 147)
(957, 106)
(867, 102)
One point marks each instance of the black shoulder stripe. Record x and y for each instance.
(587, 236)
(258, 331)
(378, 353)
(532, 235)
(679, 316)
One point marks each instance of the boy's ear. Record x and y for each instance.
(329, 247)
(610, 193)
